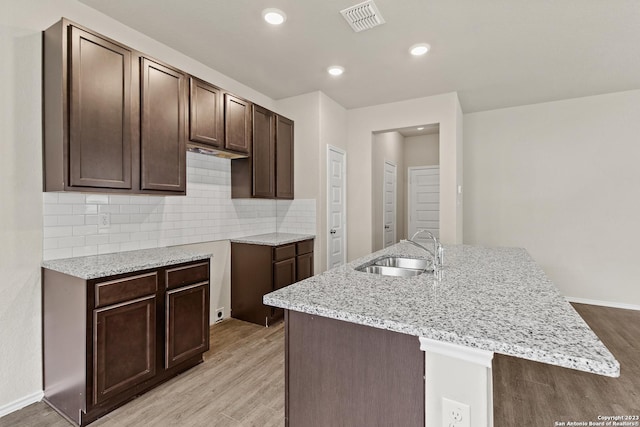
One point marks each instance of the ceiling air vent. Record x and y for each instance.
(363, 16)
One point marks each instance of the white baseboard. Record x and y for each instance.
(603, 303)
(20, 403)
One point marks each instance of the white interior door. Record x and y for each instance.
(424, 199)
(389, 209)
(336, 207)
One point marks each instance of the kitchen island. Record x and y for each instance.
(484, 300)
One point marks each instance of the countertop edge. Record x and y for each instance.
(581, 364)
(88, 268)
(271, 239)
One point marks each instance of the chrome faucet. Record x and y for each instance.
(438, 250)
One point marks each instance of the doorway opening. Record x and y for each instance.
(409, 149)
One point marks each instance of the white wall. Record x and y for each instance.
(422, 150)
(387, 147)
(561, 180)
(322, 122)
(21, 23)
(443, 109)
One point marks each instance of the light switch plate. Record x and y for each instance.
(455, 414)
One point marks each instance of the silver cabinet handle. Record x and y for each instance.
(333, 231)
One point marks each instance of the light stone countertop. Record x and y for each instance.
(95, 266)
(495, 299)
(273, 239)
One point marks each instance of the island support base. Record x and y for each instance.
(339, 373)
(460, 374)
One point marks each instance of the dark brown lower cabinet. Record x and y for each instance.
(257, 270)
(338, 373)
(125, 352)
(187, 323)
(108, 340)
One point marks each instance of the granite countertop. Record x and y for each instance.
(92, 267)
(495, 299)
(273, 239)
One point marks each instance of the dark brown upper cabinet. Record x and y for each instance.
(205, 114)
(237, 124)
(105, 128)
(163, 135)
(263, 154)
(284, 158)
(87, 110)
(268, 173)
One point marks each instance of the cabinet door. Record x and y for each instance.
(187, 323)
(237, 124)
(99, 112)
(304, 266)
(284, 158)
(124, 337)
(284, 273)
(205, 113)
(163, 128)
(263, 153)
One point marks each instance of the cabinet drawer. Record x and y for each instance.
(127, 288)
(305, 247)
(284, 252)
(187, 274)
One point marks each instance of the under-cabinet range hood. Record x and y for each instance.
(210, 151)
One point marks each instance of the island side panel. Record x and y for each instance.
(340, 373)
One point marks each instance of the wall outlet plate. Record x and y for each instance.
(104, 221)
(455, 414)
(219, 315)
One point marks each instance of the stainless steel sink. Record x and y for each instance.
(396, 266)
(413, 263)
(390, 271)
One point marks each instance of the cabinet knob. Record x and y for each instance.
(332, 231)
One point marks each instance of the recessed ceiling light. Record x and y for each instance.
(274, 16)
(420, 128)
(419, 49)
(335, 70)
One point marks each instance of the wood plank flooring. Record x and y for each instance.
(241, 383)
(538, 395)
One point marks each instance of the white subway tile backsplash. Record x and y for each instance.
(57, 232)
(85, 230)
(207, 213)
(98, 199)
(71, 198)
(51, 209)
(71, 220)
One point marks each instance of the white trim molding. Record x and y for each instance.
(460, 374)
(603, 303)
(467, 354)
(21, 403)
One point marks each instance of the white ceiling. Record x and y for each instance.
(494, 53)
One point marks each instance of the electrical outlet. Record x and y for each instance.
(219, 315)
(455, 414)
(103, 220)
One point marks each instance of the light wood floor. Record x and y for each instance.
(241, 383)
(530, 394)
